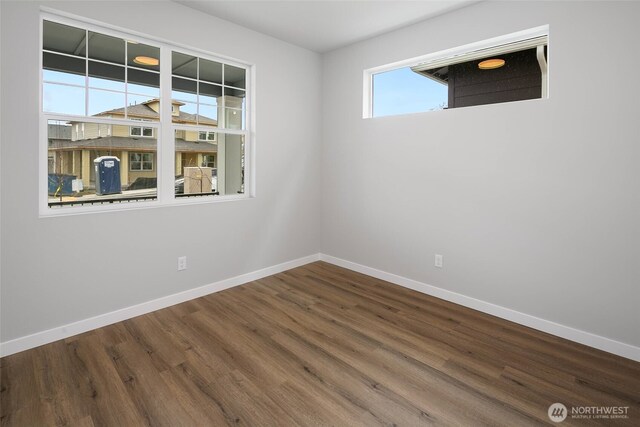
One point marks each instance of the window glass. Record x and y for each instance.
(64, 39)
(215, 167)
(106, 87)
(88, 166)
(234, 76)
(63, 99)
(210, 71)
(513, 71)
(109, 75)
(210, 93)
(403, 91)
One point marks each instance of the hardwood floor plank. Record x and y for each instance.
(317, 345)
(100, 388)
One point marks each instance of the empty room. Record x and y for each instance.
(319, 213)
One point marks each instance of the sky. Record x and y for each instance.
(403, 91)
(70, 99)
(65, 99)
(399, 91)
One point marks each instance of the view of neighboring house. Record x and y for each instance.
(72, 147)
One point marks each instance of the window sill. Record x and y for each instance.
(47, 212)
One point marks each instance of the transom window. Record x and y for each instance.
(99, 84)
(504, 69)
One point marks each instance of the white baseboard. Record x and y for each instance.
(572, 334)
(40, 338)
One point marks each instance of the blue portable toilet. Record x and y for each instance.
(107, 175)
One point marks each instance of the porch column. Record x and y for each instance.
(86, 168)
(178, 163)
(124, 168)
(76, 163)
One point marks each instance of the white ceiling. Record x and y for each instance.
(322, 26)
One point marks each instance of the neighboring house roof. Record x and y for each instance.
(145, 112)
(130, 144)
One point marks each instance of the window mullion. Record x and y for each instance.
(166, 137)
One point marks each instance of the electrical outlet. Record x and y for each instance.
(438, 261)
(182, 263)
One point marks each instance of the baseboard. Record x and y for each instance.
(569, 333)
(40, 338)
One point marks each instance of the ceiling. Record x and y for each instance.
(325, 25)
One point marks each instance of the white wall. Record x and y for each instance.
(535, 205)
(60, 270)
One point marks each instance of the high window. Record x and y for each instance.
(98, 85)
(504, 69)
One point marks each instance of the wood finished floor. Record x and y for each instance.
(317, 345)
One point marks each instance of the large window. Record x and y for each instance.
(118, 119)
(505, 69)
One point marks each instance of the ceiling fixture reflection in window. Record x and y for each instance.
(146, 60)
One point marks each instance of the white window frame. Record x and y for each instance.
(142, 153)
(142, 129)
(367, 91)
(207, 133)
(163, 129)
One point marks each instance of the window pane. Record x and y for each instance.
(88, 169)
(184, 65)
(234, 101)
(56, 76)
(403, 91)
(186, 113)
(234, 76)
(106, 76)
(64, 39)
(102, 102)
(106, 48)
(210, 71)
(136, 131)
(143, 83)
(63, 99)
(492, 74)
(63, 69)
(514, 77)
(208, 115)
(184, 90)
(231, 164)
(209, 93)
(143, 107)
(147, 131)
(194, 176)
(143, 56)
